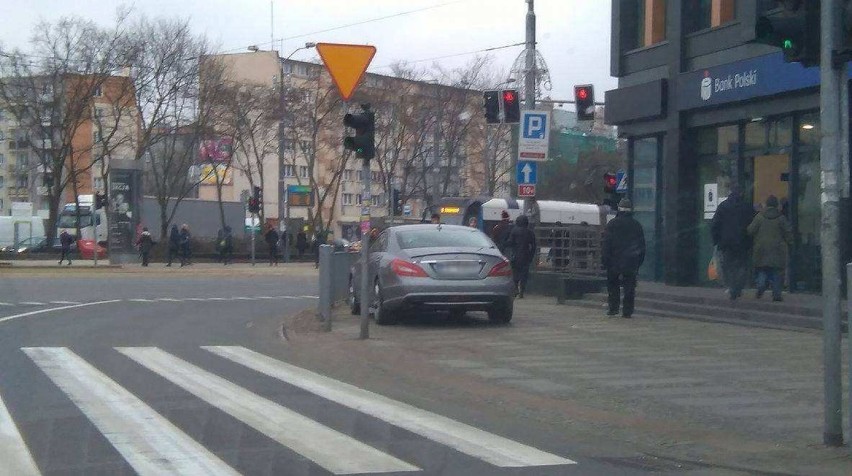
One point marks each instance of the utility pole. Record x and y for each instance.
(832, 80)
(529, 83)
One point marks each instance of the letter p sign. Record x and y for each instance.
(535, 126)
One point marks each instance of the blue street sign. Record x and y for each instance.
(621, 181)
(527, 172)
(534, 126)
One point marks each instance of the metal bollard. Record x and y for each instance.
(326, 297)
(849, 335)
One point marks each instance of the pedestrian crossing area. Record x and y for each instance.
(151, 443)
(161, 300)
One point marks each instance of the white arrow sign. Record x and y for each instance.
(527, 170)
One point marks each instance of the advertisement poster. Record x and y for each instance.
(212, 174)
(123, 205)
(216, 150)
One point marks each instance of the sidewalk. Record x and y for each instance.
(714, 397)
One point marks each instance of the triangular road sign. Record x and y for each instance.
(346, 64)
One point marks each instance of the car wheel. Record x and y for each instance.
(380, 313)
(354, 305)
(501, 314)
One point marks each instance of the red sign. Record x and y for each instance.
(526, 191)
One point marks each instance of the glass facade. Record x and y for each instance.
(646, 179)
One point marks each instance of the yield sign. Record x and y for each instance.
(346, 64)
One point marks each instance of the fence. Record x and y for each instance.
(334, 268)
(573, 250)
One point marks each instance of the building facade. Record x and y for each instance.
(704, 108)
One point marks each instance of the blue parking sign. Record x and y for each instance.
(534, 126)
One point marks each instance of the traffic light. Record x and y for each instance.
(795, 28)
(511, 106)
(363, 142)
(610, 183)
(255, 203)
(492, 107)
(584, 98)
(397, 203)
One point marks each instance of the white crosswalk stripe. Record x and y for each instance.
(31, 303)
(150, 443)
(330, 449)
(494, 449)
(14, 454)
(64, 302)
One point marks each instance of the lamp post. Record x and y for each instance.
(283, 197)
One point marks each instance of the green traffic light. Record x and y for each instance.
(788, 44)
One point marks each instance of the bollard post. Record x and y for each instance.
(849, 335)
(326, 255)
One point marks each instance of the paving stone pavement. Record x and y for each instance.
(763, 384)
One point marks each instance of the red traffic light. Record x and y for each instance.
(509, 96)
(582, 94)
(610, 182)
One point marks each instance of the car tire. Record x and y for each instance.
(501, 314)
(380, 313)
(354, 305)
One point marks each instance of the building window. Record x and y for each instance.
(704, 14)
(645, 22)
(304, 171)
(22, 159)
(348, 199)
(358, 199)
(374, 176)
(359, 176)
(288, 171)
(99, 91)
(347, 175)
(23, 181)
(2, 160)
(99, 183)
(377, 200)
(2, 181)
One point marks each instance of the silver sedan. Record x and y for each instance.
(435, 267)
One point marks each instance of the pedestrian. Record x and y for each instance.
(623, 253)
(185, 246)
(436, 219)
(174, 244)
(65, 241)
(500, 233)
(473, 222)
(771, 233)
(319, 239)
(729, 230)
(521, 246)
(220, 242)
(301, 243)
(272, 238)
(145, 244)
(226, 246)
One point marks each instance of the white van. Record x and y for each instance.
(14, 230)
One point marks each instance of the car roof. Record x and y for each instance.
(423, 226)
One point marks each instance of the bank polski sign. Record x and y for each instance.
(534, 135)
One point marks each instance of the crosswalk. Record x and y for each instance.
(151, 444)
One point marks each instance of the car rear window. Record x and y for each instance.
(442, 238)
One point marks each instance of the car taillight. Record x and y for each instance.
(404, 268)
(502, 268)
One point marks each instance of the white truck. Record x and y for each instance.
(93, 222)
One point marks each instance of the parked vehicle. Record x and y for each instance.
(93, 222)
(435, 267)
(34, 244)
(14, 230)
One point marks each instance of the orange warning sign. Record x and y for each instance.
(346, 64)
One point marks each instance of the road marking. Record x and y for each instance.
(65, 302)
(53, 309)
(494, 449)
(14, 453)
(150, 443)
(168, 300)
(309, 297)
(6, 304)
(140, 300)
(31, 303)
(242, 299)
(328, 448)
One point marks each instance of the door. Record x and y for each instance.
(771, 176)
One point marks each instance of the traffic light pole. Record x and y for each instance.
(366, 199)
(252, 238)
(831, 81)
(529, 82)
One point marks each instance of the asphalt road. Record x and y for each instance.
(185, 372)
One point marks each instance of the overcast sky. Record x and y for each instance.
(573, 35)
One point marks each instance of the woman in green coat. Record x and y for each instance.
(771, 233)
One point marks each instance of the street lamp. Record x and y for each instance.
(284, 208)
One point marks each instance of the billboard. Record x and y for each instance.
(212, 174)
(123, 204)
(216, 150)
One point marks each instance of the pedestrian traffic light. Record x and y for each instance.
(363, 142)
(397, 203)
(511, 106)
(584, 98)
(610, 182)
(492, 107)
(255, 203)
(795, 28)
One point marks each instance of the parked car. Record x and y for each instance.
(33, 244)
(434, 267)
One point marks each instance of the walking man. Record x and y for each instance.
(185, 245)
(521, 245)
(301, 243)
(65, 241)
(174, 244)
(145, 243)
(771, 233)
(623, 254)
(730, 236)
(500, 233)
(272, 238)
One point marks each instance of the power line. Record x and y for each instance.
(485, 50)
(371, 20)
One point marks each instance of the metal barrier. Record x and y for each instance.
(333, 279)
(573, 250)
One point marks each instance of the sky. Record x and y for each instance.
(573, 35)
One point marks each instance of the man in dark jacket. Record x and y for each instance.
(623, 254)
(174, 244)
(730, 236)
(65, 241)
(521, 246)
(301, 243)
(271, 236)
(145, 244)
(500, 233)
(185, 245)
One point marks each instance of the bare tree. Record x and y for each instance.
(51, 91)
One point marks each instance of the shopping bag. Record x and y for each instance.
(713, 269)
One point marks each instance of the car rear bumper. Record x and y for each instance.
(449, 295)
